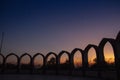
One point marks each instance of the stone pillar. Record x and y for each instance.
(118, 56)
(84, 62)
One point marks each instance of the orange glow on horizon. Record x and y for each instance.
(109, 53)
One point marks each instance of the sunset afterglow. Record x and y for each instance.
(43, 26)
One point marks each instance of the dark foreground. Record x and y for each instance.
(42, 77)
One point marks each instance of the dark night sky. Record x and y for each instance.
(53, 25)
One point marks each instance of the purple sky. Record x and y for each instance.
(53, 25)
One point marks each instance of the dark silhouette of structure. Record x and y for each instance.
(56, 66)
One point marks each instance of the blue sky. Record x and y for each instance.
(53, 25)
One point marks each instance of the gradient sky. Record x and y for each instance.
(53, 25)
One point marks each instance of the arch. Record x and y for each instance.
(13, 55)
(67, 67)
(34, 56)
(101, 48)
(37, 55)
(26, 54)
(63, 52)
(50, 53)
(118, 46)
(74, 52)
(53, 63)
(85, 55)
(17, 64)
(28, 67)
(108, 53)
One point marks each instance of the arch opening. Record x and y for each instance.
(25, 63)
(109, 54)
(11, 63)
(38, 62)
(77, 59)
(92, 57)
(51, 60)
(64, 62)
(64, 59)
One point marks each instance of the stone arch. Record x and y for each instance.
(85, 55)
(115, 50)
(41, 56)
(73, 53)
(53, 66)
(101, 48)
(26, 54)
(63, 52)
(12, 54)
(67, 67)
(118, 47)
(118, 56)
(51, 53)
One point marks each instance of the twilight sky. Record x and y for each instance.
(53, 25)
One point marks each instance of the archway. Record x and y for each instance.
(103, 44)
(64, 61)
(92, 58)
(11, 63)
(109, 53)
(38, 62)
(25, 63)
(76, 56)
(113, 48)
(51, 62)
(76, 59)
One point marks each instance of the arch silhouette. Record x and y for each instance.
(56, 61)
(50, 53)
(63, 52)
(69, 67)
(85, 59)
(115, 44)
(115, 50)
(26, 54)
(101, 48)
(73, 53)
(118, 55)
(12, 54)
(118, 47)
(34, 56)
